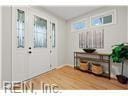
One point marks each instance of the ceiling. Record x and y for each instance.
(67, 12)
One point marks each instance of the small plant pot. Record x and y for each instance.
(122, 79)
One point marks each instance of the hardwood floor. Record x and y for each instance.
(68, 78)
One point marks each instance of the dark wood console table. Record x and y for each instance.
(94, 57)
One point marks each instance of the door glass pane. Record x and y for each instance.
(20, 28)
(40, 32)
(53, 35)
(107, 19)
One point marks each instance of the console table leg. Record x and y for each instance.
(109, 69)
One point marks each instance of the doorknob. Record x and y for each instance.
(29, 48)
(29, 52)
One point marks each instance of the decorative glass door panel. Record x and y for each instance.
(38, 44)
(20, 28)
(53, 35)
(40, 32)
(53, 58)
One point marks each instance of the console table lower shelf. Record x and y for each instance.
(105, 75)
(101, 58)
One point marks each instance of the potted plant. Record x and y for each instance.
(119, 55)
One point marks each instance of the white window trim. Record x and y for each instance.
(85, 21)
(110, 12)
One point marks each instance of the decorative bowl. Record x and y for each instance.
(89, 50)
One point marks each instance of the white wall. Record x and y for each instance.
(6, 43)
(113, 34)
(0, 47)
(62, 43)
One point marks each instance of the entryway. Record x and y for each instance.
(33, 43)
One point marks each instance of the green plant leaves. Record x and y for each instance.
(119, 53)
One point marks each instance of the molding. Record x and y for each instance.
(113, 76)
(60, 66)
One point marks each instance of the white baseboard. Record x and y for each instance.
(60, 66)
(113, 76)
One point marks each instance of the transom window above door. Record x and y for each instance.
(79, 25)
(98, 20)
(105, 18)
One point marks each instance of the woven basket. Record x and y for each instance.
(84, 66)
(97, 69)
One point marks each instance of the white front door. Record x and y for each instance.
(30, 44)
(39, 58)
(19, 44)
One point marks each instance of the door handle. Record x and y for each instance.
(29, 52)
(29, 48)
